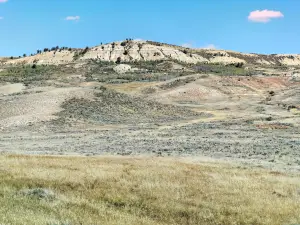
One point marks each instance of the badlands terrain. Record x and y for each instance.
(149, 98)
(140, 132)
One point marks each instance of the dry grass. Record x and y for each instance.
(115, 190)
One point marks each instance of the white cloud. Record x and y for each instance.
(2, 1)
(210, 46)
(264, 16)
(187, 45)
(74, 18)
(138, 39)
(190, 45)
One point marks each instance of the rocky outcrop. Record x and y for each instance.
(130, 51)
(122, 68)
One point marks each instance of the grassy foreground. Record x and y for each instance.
(123, 190)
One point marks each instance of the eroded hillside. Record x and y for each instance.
(147, 98)
(130, 51)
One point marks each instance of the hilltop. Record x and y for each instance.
(133, 51)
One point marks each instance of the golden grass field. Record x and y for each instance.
(143, 190)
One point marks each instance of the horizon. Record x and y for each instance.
(163, 43)
(260, 27)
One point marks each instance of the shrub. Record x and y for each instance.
(239, 65)
(269, 118)
(76, 56)
(39, 193)
(291, 107)
(85, 50)
(118, 60)
(272, 93)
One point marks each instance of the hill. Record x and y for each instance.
(132, 51)
(149, 133)
(139, 97)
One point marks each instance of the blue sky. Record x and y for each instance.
(28, 25)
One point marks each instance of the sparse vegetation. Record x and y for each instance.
(225, 70)
(113, 107)
(31, 73)
(80, 53)
(161, 109)
(177, 83)
(85, 50)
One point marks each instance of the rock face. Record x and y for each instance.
(123, 68)
(130, 51)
